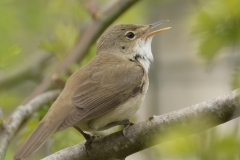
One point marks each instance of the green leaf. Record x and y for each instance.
(217, 24)
(66, 36)
(207, 145)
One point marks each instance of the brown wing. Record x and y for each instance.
(106, 88)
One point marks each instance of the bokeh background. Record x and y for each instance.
(196, 60)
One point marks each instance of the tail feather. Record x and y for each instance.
(35, 140)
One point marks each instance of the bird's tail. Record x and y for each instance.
(35, 140)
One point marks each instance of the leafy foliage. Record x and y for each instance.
(217, 25)
(207, 145)
(66, 36)
(8, 50)
(8, 55)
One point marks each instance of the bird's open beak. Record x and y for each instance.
(156, 31)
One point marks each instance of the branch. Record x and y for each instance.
(143, 135)
(9, 126)
(87, 38)
(92, 8)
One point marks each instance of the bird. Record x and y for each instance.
(106, 92)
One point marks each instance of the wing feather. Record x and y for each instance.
(104, 89)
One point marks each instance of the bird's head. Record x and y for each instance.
(129, 41)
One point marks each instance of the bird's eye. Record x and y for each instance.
(130, 35)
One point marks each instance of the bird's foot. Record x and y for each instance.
(127, 123)
(88, 138)
(88, 143)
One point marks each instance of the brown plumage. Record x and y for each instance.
(108, 90)
(104, 89)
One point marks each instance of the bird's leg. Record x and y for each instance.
(85, 135)
(88, 138)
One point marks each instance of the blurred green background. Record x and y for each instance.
(198, 59)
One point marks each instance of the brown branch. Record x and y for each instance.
(88, 37)
(121, 144)
(9, 126)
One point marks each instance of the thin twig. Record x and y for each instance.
(92, 8)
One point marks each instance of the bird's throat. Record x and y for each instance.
(143, 52)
